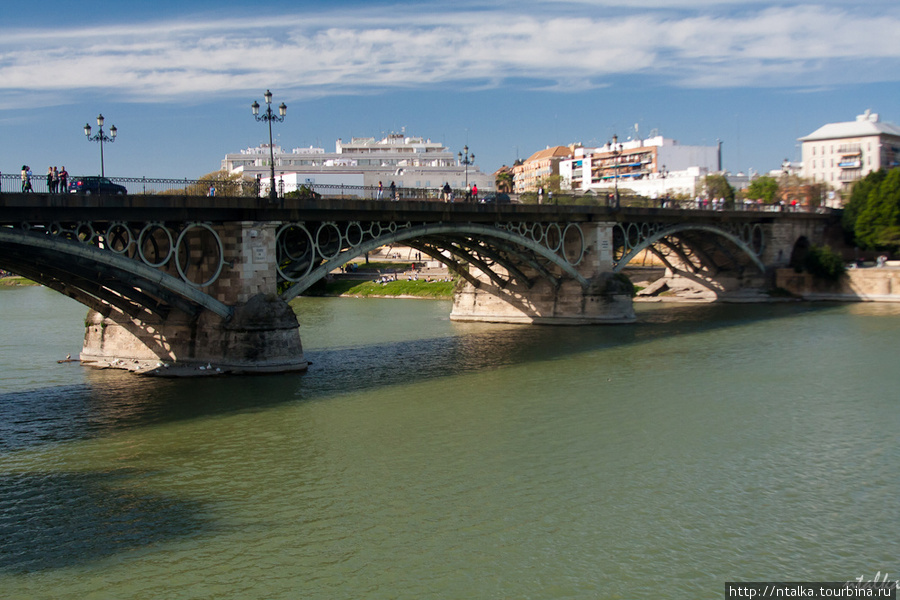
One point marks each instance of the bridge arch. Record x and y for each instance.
(510, 246)
(94, 276)
(633, 238)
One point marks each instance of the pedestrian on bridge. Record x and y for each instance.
(63, 180)
(26, 179)
(393, 192)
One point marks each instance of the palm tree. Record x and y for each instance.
(503, 180)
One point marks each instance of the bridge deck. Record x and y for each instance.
(18, 208)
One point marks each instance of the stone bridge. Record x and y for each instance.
(194, 281)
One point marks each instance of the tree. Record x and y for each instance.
(763, 188)
(878, 222)
(859, 197)
(504, 180)
(224, 184)
(717, 186)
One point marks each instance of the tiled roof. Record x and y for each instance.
(863, 126)
(555, 151)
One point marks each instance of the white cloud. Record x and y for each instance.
(335, 53)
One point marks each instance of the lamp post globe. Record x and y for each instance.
(268, 116)
(466, 158)
(101, 137)
(616, 149)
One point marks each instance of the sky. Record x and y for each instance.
(505, 78)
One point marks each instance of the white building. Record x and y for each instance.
(652, 167)
(408, 162)
(840, 153)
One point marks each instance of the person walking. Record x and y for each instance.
(447, 191)
(393, 192)
(55, 181)
(26, 179)
(474, 192)
(379, 195)
(63, 181)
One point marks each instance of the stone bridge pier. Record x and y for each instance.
(581, 290)
(249, 329)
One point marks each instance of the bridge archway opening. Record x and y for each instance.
(799, 252)
(504, 253)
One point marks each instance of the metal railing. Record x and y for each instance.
(259, 188)
(13, 182)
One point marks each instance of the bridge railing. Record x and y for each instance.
(207, 186)
(254, 188)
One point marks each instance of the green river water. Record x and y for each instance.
(420, 458)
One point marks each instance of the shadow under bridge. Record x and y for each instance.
(505, 252)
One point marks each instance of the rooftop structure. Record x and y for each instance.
(536, 170)
(838, 154)
(410, 162)
(653, 166)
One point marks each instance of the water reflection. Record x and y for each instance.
(110, 400)
(55, 520)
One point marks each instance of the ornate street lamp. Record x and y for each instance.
(268, 117)
(616, 149)
(466, 158)
(100, 137)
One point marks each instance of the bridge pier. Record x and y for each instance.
(595, 295)
(258, 334)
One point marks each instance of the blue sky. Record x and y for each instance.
(507, 78)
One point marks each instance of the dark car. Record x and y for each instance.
(95, 185)
(500, 198)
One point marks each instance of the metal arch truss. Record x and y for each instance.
(307, 251)
(630, 239)
(118, 263)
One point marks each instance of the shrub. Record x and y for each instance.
(824, 263)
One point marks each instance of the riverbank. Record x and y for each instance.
(867, 284)
(15, 280)
(428, 288)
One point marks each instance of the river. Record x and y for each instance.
(420, 458)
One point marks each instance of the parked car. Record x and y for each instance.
(500, 198)
(95, 185)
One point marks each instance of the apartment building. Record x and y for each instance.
(838, 154)
(408, 162)
(653, 167)
(536, 170)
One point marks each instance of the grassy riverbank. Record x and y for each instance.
(15, 280)
(439, 290)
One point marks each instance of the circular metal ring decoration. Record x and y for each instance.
(148, 237)
(331, 246)
(757, 240)
(553, 237)
(119, 237)
(525, 229)
(295, 245)
(354, 234)
(84, 232)
(573, 237)
(178, 257)
(632, 236)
